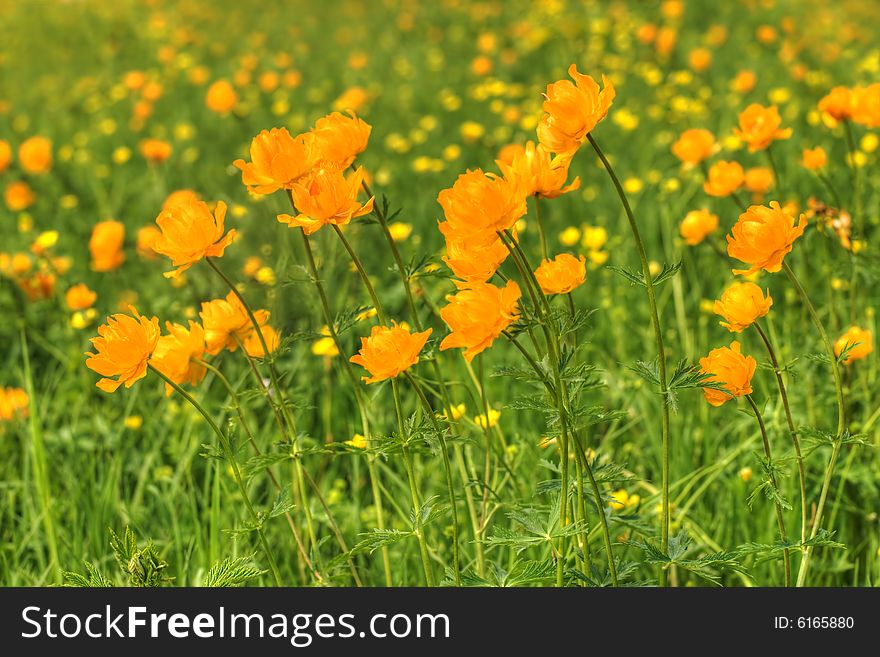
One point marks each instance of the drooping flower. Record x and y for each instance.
(472, 259)
(79, 297)
(724, 178)
(759, 127)
(537, 173)
(694, 146)
(329, 197)
(105, 245)
(177, 354)
(763, 236)
(562, 274)
(14, 402)
(814, 158)
(479, 205)
(389, 351)
(124, 346)
(339, 139)
(838, 103)
(221, 97)
(728, 366)
(697, 225)
(35, 155)
(477, 314)
(860, 342)
(277, 160)
(191, 232)
(572, 110)
(227, 324)
(741, 304)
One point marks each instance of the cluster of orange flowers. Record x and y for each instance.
(35, 159)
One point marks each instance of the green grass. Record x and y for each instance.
(62, 74)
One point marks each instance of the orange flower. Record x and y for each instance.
(389, 351)
(562, 274)
(759, 180)
(39, 286)
(18, 196)
(79, 297)
(35, 155)
(694, 146)
(479, 205)
(146, 238)
(155, 151)
(740, 305)
(339, 138)
(814, 158)
(190, 232)
(477, 314)
(227, 324)
(728, 366)
(105, 245)
(838, 103)
(177, 354)
(537, 173)
(5, 155)
(866, 105)
(178, 197)
(472, 260)
(744, 82)
(571, 111)
(724, 178)
(221, 97)
(254, 348)
(759, 126)
(696, 225)
(330, 197)
(860, 340)
(277, 161)
(13, 402)
(124, 345)
(762, 236)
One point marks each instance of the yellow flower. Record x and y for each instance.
(357, 441)
(389, 351)
(133, 422)
(570, 236)
(177, 354)
(457, 412)
(697, 225)
(477, 314)
(278, 161)
(124, 345)
(593, 237)
(860, 342)
(226, 323)
(562, 274)
(728, 366)
(741, 305)
(622, 500)
(329, 198)
(484, 423)
(763, 236)
(400, 231)
(190, 232)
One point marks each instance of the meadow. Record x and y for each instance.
(485, 293)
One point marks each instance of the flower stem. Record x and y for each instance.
(363, 273)
(841, 420)
(236, 471)
(854, 168)
(541, 233)
(780, 520)
(661, 351)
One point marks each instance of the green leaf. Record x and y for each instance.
(232, 571)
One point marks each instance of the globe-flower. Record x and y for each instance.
(155, 151)
(14, 402)
(329, 197)
(866, 105)
(277, 161)
(145, 239)
(5, 155)
(479, 205)
(562, 274)
(18, 196)
(724, 178)
(697, 225)
(79, 297)
(35, 155)
(694, 146)
(763, 236)
(190, 232)
(339, 139)
(253, 347)
(838, 103)
(537, 173)
(741, 305)
(572, 110)
(759, 127)
(177, 354)
(728, 366)
(860, 342)
(105, 245)
(178, 197)
(814, 158)
(472, 259)
(758, 180)
(123, 348)
(389, 351)
(227, 324)
(221, 97)
(477, 314)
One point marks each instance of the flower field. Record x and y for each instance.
(545, 293)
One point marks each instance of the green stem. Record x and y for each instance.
(541, 233)
(854, 168)
(236, 472)
(363, 273)
(661, 350)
